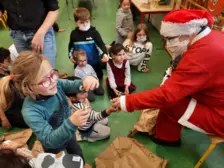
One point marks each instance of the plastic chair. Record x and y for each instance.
(214, 141)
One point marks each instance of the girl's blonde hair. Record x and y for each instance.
(24, 74)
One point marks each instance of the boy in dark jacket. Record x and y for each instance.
(86, 37)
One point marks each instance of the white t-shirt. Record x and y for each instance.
(13, 52)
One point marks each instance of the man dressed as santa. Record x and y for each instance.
(194, 94)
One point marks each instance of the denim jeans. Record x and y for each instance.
(23, 39)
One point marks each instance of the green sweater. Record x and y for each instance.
(48, 118)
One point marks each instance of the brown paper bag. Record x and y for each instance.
(37, 147)
(20, 137)
(128, 153)
(146, 123)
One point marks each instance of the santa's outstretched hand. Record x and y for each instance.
(116, 103)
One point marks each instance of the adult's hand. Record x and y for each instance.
(90, 83)
(38, 42)
(116, 103)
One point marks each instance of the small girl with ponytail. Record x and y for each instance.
(124, 21)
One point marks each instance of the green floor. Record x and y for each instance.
(103, 17)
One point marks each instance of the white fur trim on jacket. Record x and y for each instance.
(123, 103)
(170, 29)
(189, 111)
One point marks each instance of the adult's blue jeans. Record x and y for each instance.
(23, 39)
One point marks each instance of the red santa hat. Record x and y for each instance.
(185, 22)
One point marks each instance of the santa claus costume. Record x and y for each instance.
(194, 94)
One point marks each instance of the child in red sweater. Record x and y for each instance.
(118, 73)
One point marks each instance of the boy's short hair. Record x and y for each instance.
(4, 54)
(78, 53)
(81, 14)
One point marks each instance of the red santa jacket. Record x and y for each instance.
(200, 75)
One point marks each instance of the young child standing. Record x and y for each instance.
(83, 69)
(139, 48)
(96, 127)
(124, 21)
(45, 109)
(87, 38)
(118, 73)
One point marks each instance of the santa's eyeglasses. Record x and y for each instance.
(170, 38)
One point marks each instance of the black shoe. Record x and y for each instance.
(113, 42)
(166, 143)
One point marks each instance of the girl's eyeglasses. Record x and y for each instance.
(47, 82)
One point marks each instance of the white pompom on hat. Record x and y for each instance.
(185, 22)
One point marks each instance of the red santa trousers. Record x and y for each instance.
(187, 112)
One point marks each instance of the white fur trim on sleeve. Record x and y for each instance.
(123, 103)
(188, 113)
(170, 29)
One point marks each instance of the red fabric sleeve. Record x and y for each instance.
(190, 77)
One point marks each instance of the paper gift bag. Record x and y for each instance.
(37, 148)
(146, 123)
(128, 153)
(20, 137)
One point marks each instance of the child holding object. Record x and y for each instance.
(45, 109)
(118, 73)
(96, 127)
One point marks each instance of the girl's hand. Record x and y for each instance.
(79, 117)
(126, 92)
(90, 83)
(118, 93)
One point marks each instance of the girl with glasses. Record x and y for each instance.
(45, 109)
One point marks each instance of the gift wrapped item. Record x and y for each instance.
(146, 123)
(128, 153)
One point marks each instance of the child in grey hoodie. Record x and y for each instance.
(124, 21)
